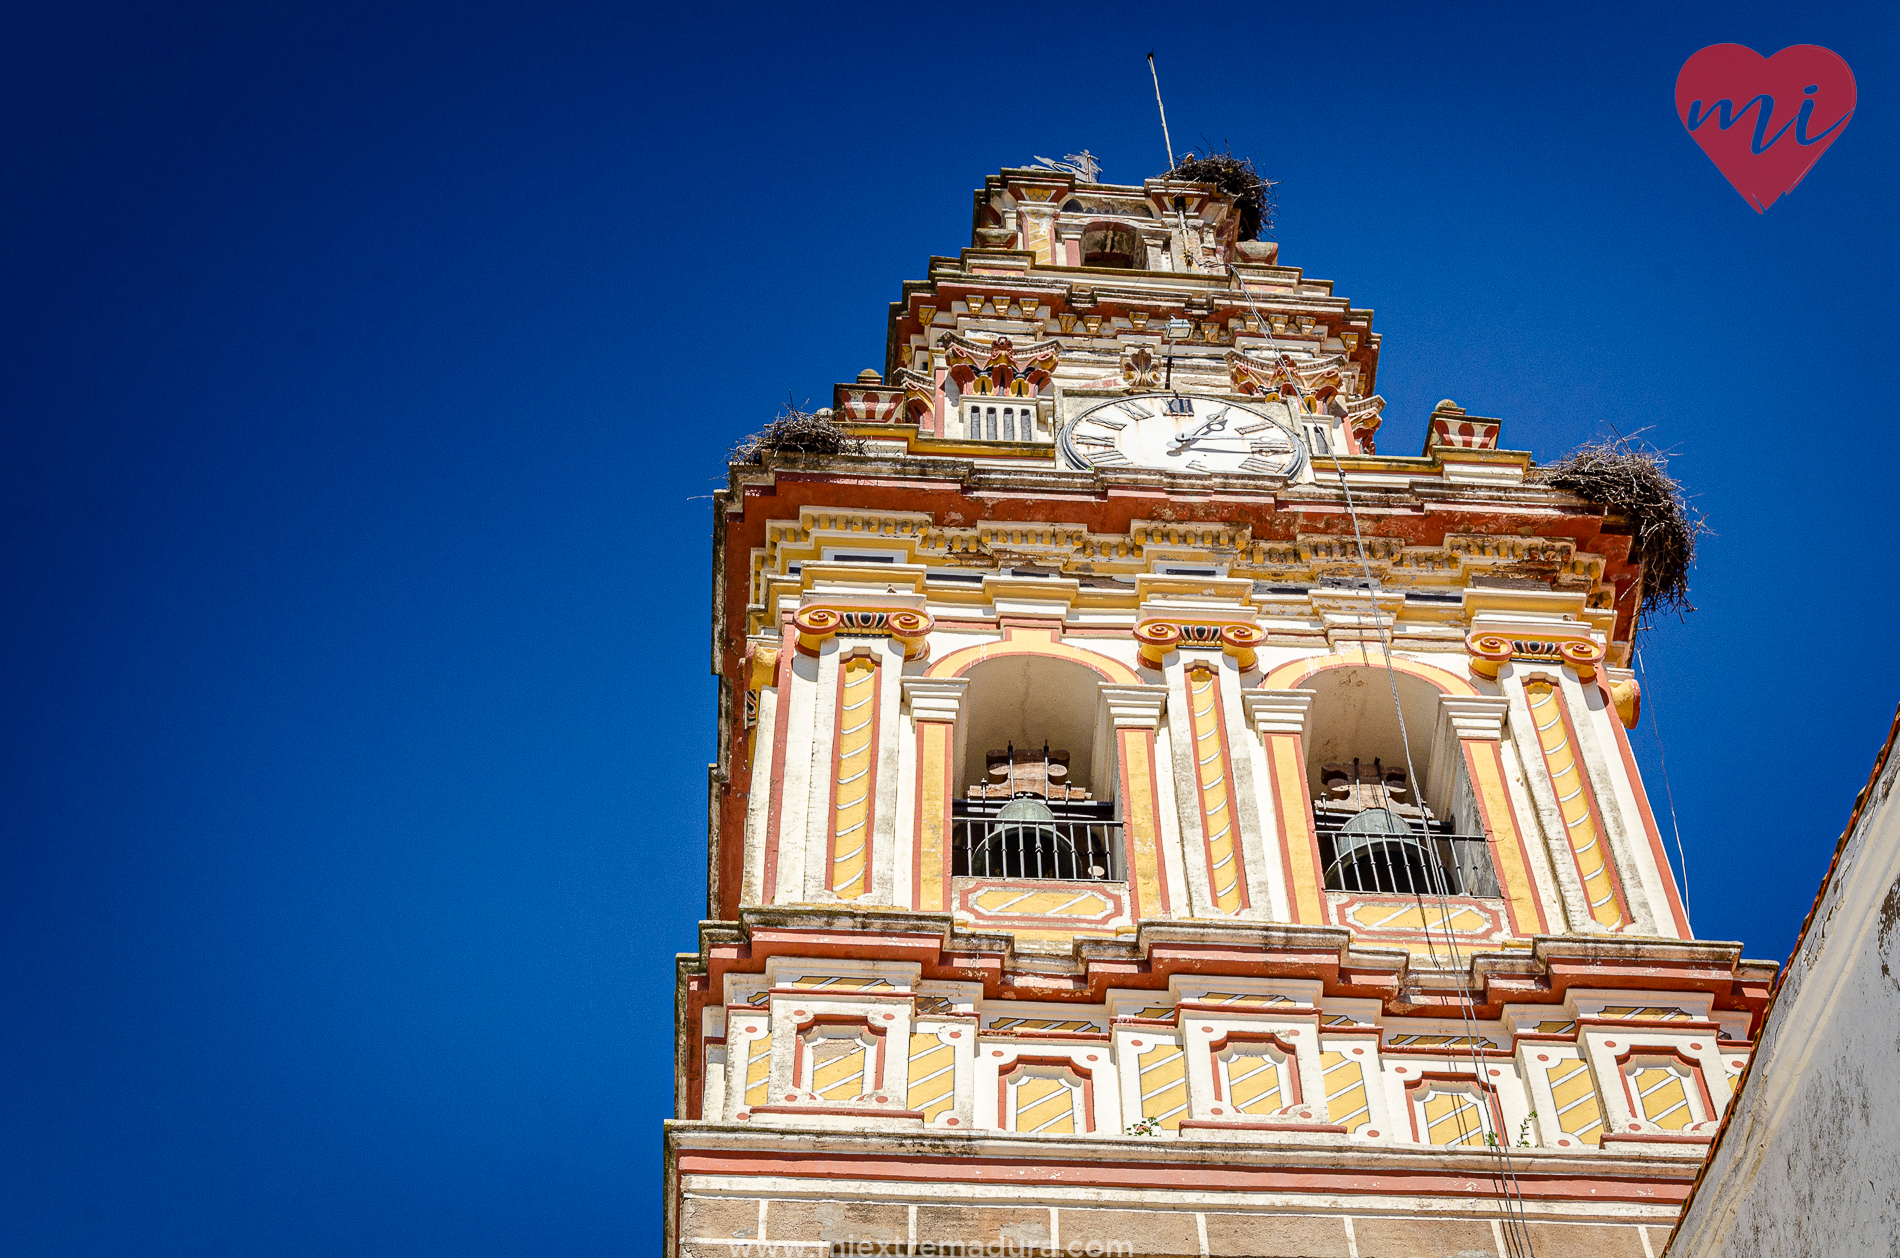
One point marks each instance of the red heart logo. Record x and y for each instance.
(1764, 121)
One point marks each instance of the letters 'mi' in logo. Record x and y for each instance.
(1762, 160)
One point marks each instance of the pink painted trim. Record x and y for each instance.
(781, 727)
(1221, 1175)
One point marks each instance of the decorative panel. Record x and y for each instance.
(1347, 1103)
(1242, 1000)
(838, 1062)
(1579, 1113)
(1213, 773)
(1582, 824)
(1044, 1097)
(1068, 905)
(1161, 1067)
(1024, 1026)
(1663, 1092)
(856, 778)
(837, 983)
(1409, 918)
(758, 1070)
(933, 1075)
(1254, 1077)
(1450, 1113)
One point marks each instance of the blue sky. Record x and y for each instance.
(363, 373)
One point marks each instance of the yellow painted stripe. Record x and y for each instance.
(1346, 1102)
(1204, 700)
(1566, 779)
(758, 1070)
(933, 1075)
(1044, 1106)
(1163, 1074)
(1578, 1111)
(849, 867)
(1253, 1082)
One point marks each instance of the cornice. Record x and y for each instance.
(1537, 973)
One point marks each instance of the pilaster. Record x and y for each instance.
(1126, 718)
(1280, 718)
(935, 704)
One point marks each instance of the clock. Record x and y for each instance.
(1174, 432)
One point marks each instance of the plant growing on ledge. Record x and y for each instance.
(797, 431)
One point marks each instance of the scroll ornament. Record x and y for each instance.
(1158, 638)
(1491, 651)
(818, 624)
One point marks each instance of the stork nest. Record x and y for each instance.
(1635, 484)
(797, 431)
(1236, 176)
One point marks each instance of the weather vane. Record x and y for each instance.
(1082, 165)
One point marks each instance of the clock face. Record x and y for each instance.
(1177, 433)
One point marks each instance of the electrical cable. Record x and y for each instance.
(1516, 1230)
(1655, 723)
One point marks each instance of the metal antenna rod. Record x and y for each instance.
(1164, 110)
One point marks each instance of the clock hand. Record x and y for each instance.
(1214, 424)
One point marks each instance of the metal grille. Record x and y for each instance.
(1082, 843)
(1428, 861)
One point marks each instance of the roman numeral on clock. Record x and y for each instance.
(1105, 422)
(1134, 410)
(1094, 441)
(1255, 463)
(1108, 457)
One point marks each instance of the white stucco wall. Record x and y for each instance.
(1809, 1163)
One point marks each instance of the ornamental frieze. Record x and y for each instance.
(998, 367)
(1310, 376)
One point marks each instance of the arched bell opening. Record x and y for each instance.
(1027, 807)
(1378, 828)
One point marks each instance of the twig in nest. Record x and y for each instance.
(1236, 176)
(1636, 484)
(799, 431)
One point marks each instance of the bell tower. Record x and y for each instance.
(1152, 820)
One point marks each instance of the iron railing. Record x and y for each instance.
(1083, 842)
(1428, 861)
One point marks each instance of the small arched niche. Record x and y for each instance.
(1112, 244)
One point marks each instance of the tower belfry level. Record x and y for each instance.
(1119, 844)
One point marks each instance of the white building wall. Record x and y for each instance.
(1809, 1160)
